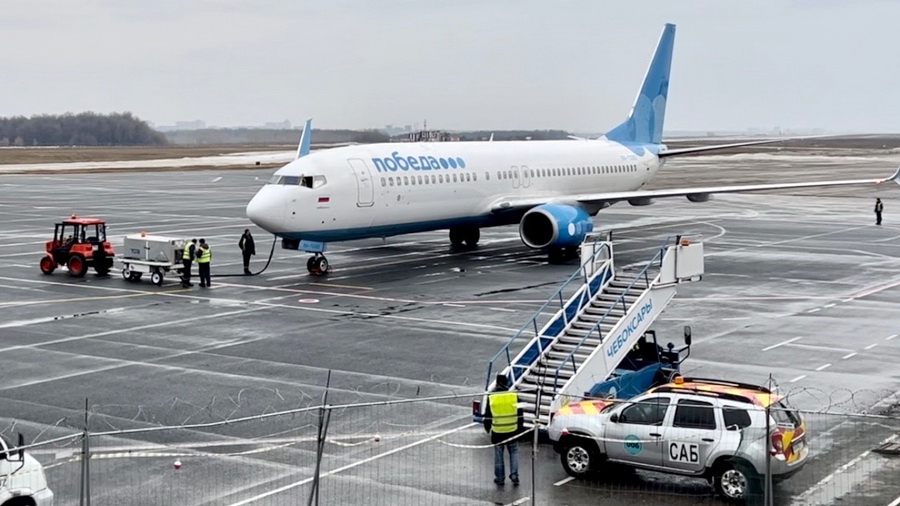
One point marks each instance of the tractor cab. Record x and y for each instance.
(79, 243)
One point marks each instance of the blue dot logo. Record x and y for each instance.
(444, 163)
(461, 163)
(633, 444)
(452, 162)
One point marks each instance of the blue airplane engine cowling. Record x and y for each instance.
(555, 226)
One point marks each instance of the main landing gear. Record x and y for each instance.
(467, 235)
(317, 265)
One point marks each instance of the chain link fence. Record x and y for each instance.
(428, 451)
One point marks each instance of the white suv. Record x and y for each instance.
(695, 427)
(22, 480)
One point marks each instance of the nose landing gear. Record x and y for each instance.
(466, 234)
(317, 265)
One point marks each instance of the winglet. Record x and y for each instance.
(303, 148)
(492, 137)
(895, 177)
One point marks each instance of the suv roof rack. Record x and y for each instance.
(735, 384)
(705, 393)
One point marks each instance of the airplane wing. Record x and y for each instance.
(694, 194)
(716, 147)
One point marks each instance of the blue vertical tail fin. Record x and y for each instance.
(303, 147)
(645, 123)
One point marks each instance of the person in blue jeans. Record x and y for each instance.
(504, 419)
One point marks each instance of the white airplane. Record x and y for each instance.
(550, 188)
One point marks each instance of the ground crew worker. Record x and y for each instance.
(187, 258)
(248, 249)
(504, 419)
(204, 256)
(879, 207)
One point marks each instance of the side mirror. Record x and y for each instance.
(614, 418)
(20, 445)
(687, 335)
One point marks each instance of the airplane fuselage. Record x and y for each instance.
(380, 190)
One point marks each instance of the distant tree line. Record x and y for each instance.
(83, 129)
(215, 136)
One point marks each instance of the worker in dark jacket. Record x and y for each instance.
(204, 257)
(187, 258)
(879, 207)
(504, 418)
(248, 249)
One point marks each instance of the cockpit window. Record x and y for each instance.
(305, 181)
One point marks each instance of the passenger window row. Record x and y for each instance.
(567, 171)
(465, 177)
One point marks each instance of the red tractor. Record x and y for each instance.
(79, 244)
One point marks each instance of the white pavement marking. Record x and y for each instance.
(563, 481)
(798, 378)
(818, 347)
(830, 305)
(849, 355)
(841, 469)
(502, 309)
(355, 464)
(734, 319)
(129, 329)
(823, 367)
(888, 338)
(517, 502)
(814, 310)
(782, 343)
(895, 502)
(454, 305)
(869, 347)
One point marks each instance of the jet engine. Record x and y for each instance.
(555, 226)
(698, 197)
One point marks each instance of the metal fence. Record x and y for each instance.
(389, 453)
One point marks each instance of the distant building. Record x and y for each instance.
(278, 125)
(426, 136)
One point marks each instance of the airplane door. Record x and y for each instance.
(514, 174)
(526, 176)
(366, 190)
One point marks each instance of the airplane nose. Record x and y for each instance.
(266, 210)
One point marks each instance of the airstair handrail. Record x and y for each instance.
(582, 272)
(659, 255)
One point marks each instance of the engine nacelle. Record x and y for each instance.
(555, 225)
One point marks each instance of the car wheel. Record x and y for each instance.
(733, 482)
(579, 457)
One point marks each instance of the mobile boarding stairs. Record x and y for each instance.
(592, 330)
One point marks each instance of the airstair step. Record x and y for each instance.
(593, 342)
(546, 398)
(582, 354)
(569, 348)
(589, 325)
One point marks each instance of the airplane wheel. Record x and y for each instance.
(77, 266)
(457, 236)
(472, 236)
(317, 265)
(311, 264)
(48, 265)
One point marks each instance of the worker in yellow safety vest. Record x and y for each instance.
(187, 258)
(204, 256)
(504, 419)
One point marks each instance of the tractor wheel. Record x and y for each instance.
(77, 266)
(48, 265)
(101, 269)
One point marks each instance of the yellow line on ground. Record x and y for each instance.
(344, 286)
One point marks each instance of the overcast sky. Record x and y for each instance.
(461, 64)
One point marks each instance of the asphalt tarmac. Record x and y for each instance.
(799, 289)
